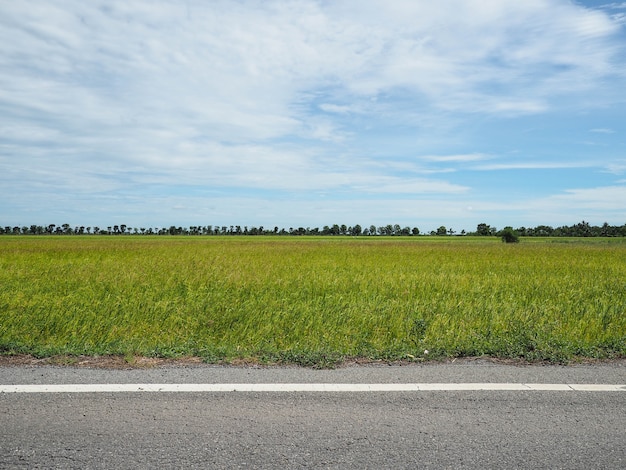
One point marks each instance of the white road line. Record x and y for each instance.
(309, 387)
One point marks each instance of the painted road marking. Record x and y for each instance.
(309, 387)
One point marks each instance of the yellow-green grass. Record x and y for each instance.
(312, 300)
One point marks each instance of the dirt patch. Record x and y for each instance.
(141, 362)
(100, 362)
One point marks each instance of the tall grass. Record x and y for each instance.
(313, 300)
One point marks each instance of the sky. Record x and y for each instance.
(297, 113)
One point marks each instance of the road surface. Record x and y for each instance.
(528, 428)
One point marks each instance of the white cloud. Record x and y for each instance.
(99, 96)
(335, 108)
(605, 198)
(602, 130)
(598, 205)
(614, 5)
(534, 165)
(616, 167)
(619, 18)
(238, 67)
(470, 157)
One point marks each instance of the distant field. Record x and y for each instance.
(312, 300)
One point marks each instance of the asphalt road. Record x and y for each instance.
(467, 429)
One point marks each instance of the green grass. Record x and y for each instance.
(312, 301)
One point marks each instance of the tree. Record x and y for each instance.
(509, 235)
(543, 230)
(583, 229)
(483, 230)
(442, 230)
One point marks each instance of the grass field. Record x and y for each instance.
(312, 301)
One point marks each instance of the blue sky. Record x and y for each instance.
(309, 113)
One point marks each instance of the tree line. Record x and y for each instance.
(582, 229)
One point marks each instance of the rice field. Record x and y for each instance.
(312, 301)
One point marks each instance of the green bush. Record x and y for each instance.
(509, 235)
